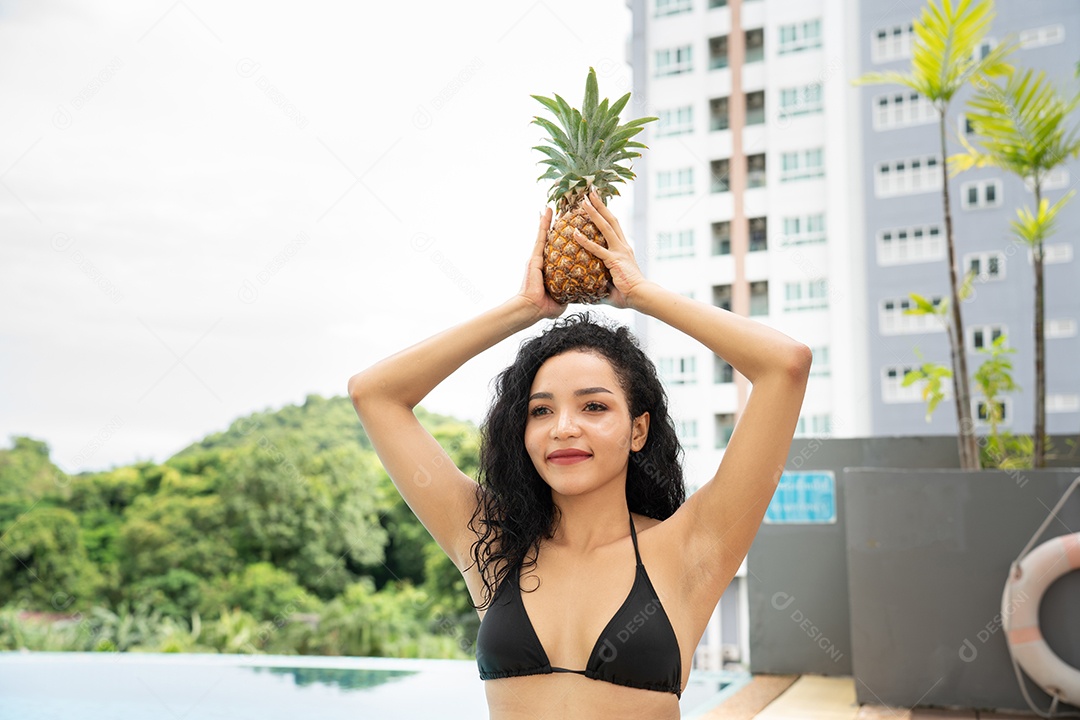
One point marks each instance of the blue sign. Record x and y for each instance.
(804, 497)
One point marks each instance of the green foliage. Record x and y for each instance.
(1006, 451)
(282, 534)
(934, 375)
(175, 532)
(263, 590)
(993, 378)
(1021, 127)
(395, 622)
(177, 593)
(1033, 228)
(945, 52)
(44, 561)
(27, 472)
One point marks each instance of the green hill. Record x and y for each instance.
(284, 514)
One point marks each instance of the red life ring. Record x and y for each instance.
(1024, 591)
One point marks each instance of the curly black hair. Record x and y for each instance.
(515, 507)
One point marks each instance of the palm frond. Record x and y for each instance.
(1034, 227)
(1022, 126)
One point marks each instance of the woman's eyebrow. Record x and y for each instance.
(582, 391)
(592, 391)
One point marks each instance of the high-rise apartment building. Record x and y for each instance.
(776, 188)
(748, 199)
(903, 232)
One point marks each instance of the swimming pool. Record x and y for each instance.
(129, 686)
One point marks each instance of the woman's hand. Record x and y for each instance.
(618, 256)
(533, 289)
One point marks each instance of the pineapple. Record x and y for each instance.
(583, 154)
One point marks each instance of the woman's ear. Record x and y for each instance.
(639, 432)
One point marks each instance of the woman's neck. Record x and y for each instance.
(591, 520)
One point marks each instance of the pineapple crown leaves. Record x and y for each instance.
(587, 146)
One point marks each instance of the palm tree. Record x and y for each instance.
(945, 56)
(1022, 128)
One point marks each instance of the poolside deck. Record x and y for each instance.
(815, 697)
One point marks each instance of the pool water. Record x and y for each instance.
(130, 686)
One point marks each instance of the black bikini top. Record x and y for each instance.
(638, 648)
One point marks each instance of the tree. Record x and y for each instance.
(1022, 128)
(43, 562)
(945, 56)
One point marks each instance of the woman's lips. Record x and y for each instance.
(568, 457)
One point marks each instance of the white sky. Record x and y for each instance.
(209, 209)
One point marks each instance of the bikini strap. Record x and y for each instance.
(633, 534)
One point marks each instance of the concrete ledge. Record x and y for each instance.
(751, 699)
(815, 697)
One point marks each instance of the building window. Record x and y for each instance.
(806, 295)
(891, 43)
(675, 244)
(676, 121)
(964, 126)
(1054, 253)
(811, 425)
(800, 100)
(721, 238)
(1062, 403)
(674, 61)
(755, 45)
(819, 367)
(983, 336)
(907, 176)
(759, 239)
(672, 183)
(980, 194)
(893, 318)
(686, 430)
(902, 109)
(982, 411)
(755, 108)
(678, 370)
(1040, 36)
(892, 385)
(717, 4)
(804, 229)
(725, 426)
(721, 296)
(723, 373)
(718, 52)
(802, 165)
(755, 175)
(986, 266)
(800, 36)
(718, 114)
(1056, 179)
(672, 7)
(721, 175)
(1060, 328)
(759, 298)
(913, 244)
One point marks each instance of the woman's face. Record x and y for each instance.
(579, 432)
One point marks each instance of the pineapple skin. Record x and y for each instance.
(571, 273)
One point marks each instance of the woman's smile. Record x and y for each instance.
(569, 456)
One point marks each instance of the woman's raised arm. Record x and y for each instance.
(384, 395)
(713, 530)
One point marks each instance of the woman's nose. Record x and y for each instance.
(565, 424)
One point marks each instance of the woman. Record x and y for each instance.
(580, 491)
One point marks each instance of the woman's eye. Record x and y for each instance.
(595, 406)
(538, 411)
